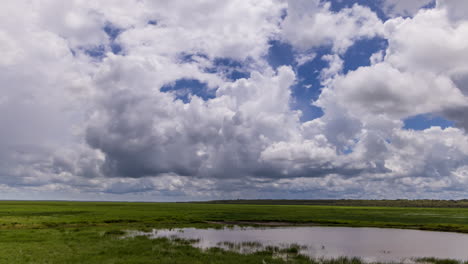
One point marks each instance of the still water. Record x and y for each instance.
(371, 244)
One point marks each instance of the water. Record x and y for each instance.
(371, 244)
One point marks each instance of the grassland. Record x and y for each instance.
(89, 232)
(426, 203)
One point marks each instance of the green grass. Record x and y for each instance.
(17, 215)
(89, 232)
(346, 202)
(92, 247)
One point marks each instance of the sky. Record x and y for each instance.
(139, 100)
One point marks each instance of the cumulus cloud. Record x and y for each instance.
(151, 132)
(414, 77)
(213, 28)
(88, 110)
(311, 24)
(368, 91)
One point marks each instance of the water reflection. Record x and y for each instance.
(371, 244)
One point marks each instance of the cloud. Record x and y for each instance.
(455, 9)
(368, 91)
(87, 111)
(414, 77)
(212, 28)
(43, 87)
(311, 24)
(395, 8)
(150, 132)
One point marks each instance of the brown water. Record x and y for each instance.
(371, 244)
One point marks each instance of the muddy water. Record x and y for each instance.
(371, 244)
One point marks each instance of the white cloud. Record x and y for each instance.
(382, 89)
(432, 153)
(423, 71)
(310, 24)
(214, 28)
(428, 42)
(431, 43)
(304, 58)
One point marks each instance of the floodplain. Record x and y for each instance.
(97, 232)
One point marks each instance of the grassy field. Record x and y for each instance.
(89, 232)
(345, 202)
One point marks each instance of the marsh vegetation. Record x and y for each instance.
(90, 232)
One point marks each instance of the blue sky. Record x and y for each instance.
(309, 84)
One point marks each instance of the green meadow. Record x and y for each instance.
(91, 232)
